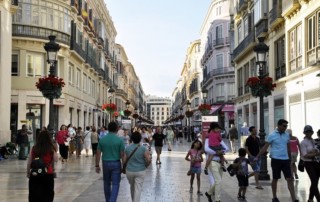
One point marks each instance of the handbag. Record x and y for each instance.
(301, 165)
(125, 163)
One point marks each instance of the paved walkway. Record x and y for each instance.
(78, 182)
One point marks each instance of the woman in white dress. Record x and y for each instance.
(87, 140)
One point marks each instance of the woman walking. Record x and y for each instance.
(79, 141)
(41, 188)
(61, 140)
(94, 140)
(170, 136)
(310, 155)
(137, 159)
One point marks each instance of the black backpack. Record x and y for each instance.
(38, 167)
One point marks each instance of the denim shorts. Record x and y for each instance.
(196, 170)
(255, 165)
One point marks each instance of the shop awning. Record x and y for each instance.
(228, 108)
(214, 108)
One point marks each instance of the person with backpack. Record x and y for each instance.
(40, 169)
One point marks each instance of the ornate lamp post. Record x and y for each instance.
(111, 91)
(52, 49)
(189, 114)
(127, 112)
(204, 95)
(261, 50)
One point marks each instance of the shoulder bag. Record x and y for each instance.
(125, 163)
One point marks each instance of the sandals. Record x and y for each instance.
(259, 187)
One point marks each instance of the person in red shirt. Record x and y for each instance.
(62, 141)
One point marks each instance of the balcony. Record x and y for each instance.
(247, 44)
(100, 43)
(82, 15)
(275, 17)
(262, 28)
(39, 33)
(121, 92)
(222, 70)
(218, 42)
(290, 7)
(74, 5)
(227, 40)
(101, 72)
(243, 4)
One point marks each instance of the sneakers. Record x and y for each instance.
(275, 200)
(208, 196)
(199, 193)
(206, 171)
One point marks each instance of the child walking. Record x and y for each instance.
(194, 155)
(241, 165)
(215, 139)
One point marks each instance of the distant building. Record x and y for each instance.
(158, 109)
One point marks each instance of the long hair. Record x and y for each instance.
(192, 145)
(44, 144)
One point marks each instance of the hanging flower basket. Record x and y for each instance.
(127, 112)
(181, 117)
(204, 109)
(50, 86)
(189, 114)
(262, 87)
(116, 114)
(109, 107)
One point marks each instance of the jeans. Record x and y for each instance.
(136, 181)
(22, 150)
(111, 176)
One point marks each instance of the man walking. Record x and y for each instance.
(112, 148)
(23, 141)
(253, 148)
(279, 141)
(233, 136)
(158, 138)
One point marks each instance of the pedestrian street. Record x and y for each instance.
(168, 182)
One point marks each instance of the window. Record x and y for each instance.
(219, 59)
(218, 10)
(295, 49)
(89, 86)
(84, 87)
(78, 78)
(313, 39)
(220, 90)
(240, 81)
(35, 65)
(246, 27)
(260, 10)
(71, 73)
(231, 89)
(218, 32)
(246, 77)
(15, 65)
(93, 88)
(280, 67)
(240, 37)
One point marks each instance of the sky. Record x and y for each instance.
(155, 35)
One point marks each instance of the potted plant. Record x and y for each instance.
(109, 107)
(50, 86)
(189, 113)
(127, 112)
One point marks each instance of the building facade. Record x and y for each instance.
(7, 9)
(158, 109)
(289, 28)
(89, 61)
(218, 72)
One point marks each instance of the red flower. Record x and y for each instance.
(50, 83)
(110, 107)
(261, 86)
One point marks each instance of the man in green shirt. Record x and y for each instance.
(112, 148)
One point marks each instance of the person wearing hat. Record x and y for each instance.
(310, 155)
(279, 142)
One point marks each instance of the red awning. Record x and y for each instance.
(228, 108)
(214, 108)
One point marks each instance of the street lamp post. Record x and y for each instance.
(204, 95)
(189, 124)
(261, 50)
(52, 49)
(111, 91)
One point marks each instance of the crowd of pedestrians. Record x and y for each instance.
(120, 150)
